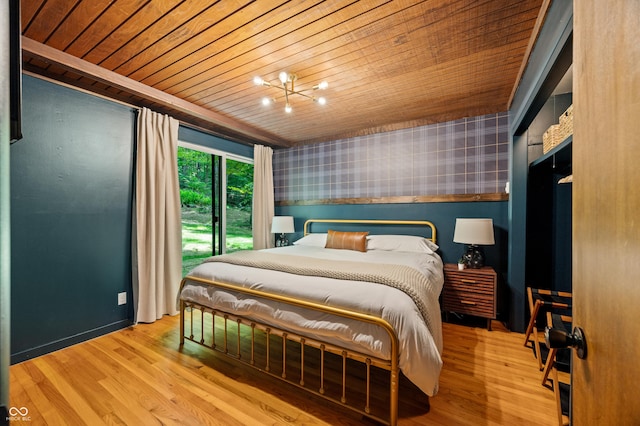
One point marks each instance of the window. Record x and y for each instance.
(216, 191)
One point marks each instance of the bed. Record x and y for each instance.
(369, 300)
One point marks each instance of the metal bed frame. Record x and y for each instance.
(193, 324)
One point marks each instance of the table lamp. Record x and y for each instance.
(282, 225)
(474, 232)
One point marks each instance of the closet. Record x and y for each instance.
(549, 188)
(540, 209)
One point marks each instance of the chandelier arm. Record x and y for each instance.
(303, 94)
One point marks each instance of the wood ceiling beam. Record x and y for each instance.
(96, 73)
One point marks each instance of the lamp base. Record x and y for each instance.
(281, 241)
(474, 257)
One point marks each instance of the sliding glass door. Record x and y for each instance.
(216, 191)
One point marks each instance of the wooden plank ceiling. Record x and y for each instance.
(389, 64)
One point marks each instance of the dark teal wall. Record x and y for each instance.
(443, 216)
(71, 202)
(517, 232)
(71, 192)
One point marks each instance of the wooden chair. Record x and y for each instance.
(557, 358)
(543, 300)
(561, 389)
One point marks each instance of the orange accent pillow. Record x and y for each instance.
(347, 240)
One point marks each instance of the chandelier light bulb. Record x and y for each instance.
(266, 101)
(287, 108)
(322, 101)
(323, 85)
(258, 81)
(283, 77)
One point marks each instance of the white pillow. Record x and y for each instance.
(312, 240)
(409, 243)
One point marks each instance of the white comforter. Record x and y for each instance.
(419, 349)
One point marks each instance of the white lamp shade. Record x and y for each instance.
(474, 231)
(282, 225)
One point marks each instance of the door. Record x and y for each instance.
(199, 175)
(606, 211)
(216, 192)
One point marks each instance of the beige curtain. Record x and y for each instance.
(262, 197)
(157, 234)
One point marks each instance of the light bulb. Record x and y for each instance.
(258, 81)
(323, 85)
(322, 101)
(283, 77)
(266, 101)
(287, 108)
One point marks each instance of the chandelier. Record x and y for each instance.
(288, 86)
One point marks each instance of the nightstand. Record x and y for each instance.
(470, 291)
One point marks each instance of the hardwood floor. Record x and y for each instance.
(138, 376)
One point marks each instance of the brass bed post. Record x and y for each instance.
(268, 343)
(302, 341)
(253, 343)
(284, 355)
(182, 318)
(343, 399)
(321, 390)
(393, 387)
(202, 312)
(238, 338)
(367, 407)
(191, 323)
(226, 346)
(213, 328)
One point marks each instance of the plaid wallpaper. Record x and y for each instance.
(466, 156)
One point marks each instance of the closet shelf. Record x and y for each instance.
(560, 155)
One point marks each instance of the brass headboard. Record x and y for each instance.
(375, 222)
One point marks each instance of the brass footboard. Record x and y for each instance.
(236, 337)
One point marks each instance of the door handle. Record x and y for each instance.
(557, 338)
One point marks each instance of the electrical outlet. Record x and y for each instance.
(122, 298)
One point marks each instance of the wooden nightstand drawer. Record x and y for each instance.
(468, 303)
(462, 278)
(470, 291)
